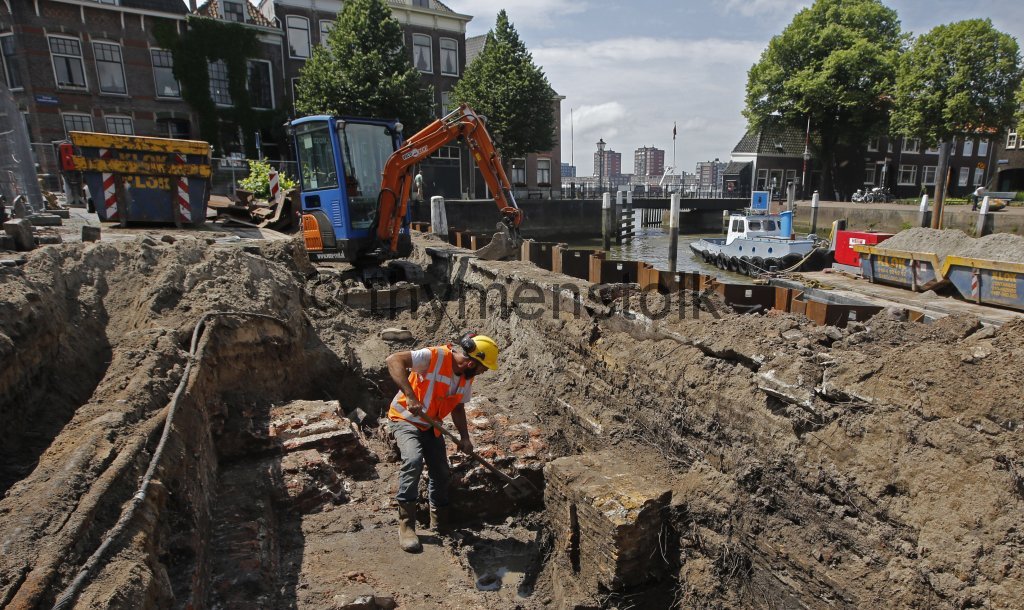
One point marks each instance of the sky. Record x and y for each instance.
(630, 70)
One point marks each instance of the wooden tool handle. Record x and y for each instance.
(437, 425)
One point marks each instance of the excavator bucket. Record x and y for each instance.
(505, 244)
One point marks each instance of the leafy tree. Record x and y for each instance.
(364, 70)
(504, 85)
(835, 64)
(958, 77)
(1020, 106)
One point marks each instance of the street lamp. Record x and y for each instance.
(600, 165)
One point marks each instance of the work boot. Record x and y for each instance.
(407, 528)
(439, 520)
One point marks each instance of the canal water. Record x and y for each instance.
(651, 245)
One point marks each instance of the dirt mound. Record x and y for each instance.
(876, 465)
(947, 242)
(996, 247)
(941, 242)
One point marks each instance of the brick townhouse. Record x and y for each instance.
(91, 66)
(773, 155)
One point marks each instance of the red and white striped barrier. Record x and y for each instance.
(975, 288)
(184, 204)
(109, 189)
(275, 184)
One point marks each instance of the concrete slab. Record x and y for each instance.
(45, 220)
(20, 230)
(835, 287)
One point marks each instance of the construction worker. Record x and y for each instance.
(437, 381)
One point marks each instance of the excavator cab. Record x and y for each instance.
(355, 184)
(341, 160)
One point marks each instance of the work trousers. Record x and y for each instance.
(419, 446)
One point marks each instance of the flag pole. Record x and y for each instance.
(674, 168)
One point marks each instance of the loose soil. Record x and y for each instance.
(881, 464)
(946, 242)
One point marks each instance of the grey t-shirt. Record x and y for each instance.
(421, 364)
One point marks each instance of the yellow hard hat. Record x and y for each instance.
(481, 348)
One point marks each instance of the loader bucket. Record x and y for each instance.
(504, 245)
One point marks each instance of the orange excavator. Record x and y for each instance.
(355, 182)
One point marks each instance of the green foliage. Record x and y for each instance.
(834, 63)
(365, 70)
(207, 40)
(504, 85)
(956, 78)
(258, 180)
(1019, 117)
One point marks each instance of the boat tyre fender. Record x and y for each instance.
(791, 259)
(772, 262)
(734, 264)
(721, 261)
(745, 265)
(758, 264)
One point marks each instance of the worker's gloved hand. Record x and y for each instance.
(465, 445)
(415, 406)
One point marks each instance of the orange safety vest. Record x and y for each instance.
(434, 388)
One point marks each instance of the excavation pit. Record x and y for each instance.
(696, 460)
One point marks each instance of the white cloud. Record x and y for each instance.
(753, 8)
(631, 90)
(529, 13)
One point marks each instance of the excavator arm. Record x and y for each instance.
(396, 183)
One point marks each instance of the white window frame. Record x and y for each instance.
(911, 145)
(8, 69)
(119, 117)
(541, 161)
(1011, 139)
(517, 169)
(969, 147)
(239, 3)
(227, 83)
(63, 121)
(982, 147)
(441, 42)
(430, 52)
(931, 150)
(270, 77)
(153, 65)
(979, 176)
(965, 176)
(912, 169)
(325, 31)
(289, 19)
(446, 100)
(925, 171)
(80, 57)
(873, 145)
(870, 173)
(96, 62)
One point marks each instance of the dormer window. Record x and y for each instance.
(234, 11)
